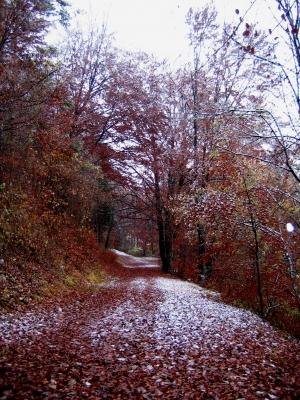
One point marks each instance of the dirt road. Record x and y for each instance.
(145, 336)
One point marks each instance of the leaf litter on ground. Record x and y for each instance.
(148, 336)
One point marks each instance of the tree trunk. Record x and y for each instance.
(203, 267)
(256, 250)
(165, 247)
(108, 236)
(257, 267)
(111, 225)
(165, 231)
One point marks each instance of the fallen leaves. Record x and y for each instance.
(146, 337)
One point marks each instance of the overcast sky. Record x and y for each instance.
(154, 26)
(158, 26)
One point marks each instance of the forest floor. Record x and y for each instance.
(145, 335)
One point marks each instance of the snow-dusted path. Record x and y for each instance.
(147, 337)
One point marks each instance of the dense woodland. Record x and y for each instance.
(102, 148)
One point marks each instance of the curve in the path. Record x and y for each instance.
(148, 336)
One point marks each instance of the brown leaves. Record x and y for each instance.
(250, 49)
(247, 32)
(124, 342)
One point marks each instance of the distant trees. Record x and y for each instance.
(148, 148)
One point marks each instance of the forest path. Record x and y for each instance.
(146, 336)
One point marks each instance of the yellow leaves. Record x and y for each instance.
(96, 277)
(213, 154)
(71, 281)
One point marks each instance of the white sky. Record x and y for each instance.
(158, 26)
(154, 26)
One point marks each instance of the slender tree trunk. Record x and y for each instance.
(293, 276)
(256, 251)
(204, 267)
(111, 224)
(257, 267)
(165, 231)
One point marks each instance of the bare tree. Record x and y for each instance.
(281, 114)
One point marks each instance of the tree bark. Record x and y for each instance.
(203, 267)
(165, 247)
(165, 231)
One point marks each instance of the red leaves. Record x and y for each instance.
(249, 49)
(247, 32)
(81, 352)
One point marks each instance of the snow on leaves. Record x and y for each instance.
(146, 337)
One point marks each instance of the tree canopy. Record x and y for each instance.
(100, 145)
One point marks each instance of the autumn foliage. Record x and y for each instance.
(104, 148)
